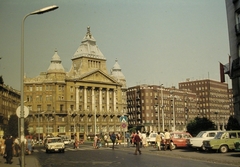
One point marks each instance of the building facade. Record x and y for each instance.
(214, 99)
(233, 18)
(154, 108)
(9, 102)
(86, 100)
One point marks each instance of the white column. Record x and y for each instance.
(114, 100)
(100, 99)
(107, 99)
(93, 99)
(85, 98)
(77, 98)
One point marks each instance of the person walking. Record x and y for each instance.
(113, 139)
(137, 140)
(29, 145)
(9, 149)
(95, 142)
(167, 138)
(105, 140)
(17, 147)
(158, 141)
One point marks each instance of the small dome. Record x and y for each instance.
(56, 64)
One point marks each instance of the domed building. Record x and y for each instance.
(86, 100)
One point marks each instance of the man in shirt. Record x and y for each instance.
(137, 140)
(167, 138)
(9, 149)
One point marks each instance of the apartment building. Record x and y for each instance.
(9, 101)
(214, 99)
(154, 108)
(233, 20)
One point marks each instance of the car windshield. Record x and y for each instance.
(200, 134)
(54, 140)
(218, 135)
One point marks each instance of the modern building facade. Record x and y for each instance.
(86, 100)
(9, 102)
(214, 99)
(154, 108)
(233, 18)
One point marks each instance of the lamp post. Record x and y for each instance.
(163, 122)
(40, 11)
(39, 127)
(173, 103)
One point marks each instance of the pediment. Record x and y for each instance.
(98, 76)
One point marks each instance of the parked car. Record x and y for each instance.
(223, 141)
(54, 144)
(67, 141)
(237, 145)
(151, 138)
(179, 139)
(197, 142)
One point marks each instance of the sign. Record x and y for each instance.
(124, 125)
(123, 119)
(26, 111)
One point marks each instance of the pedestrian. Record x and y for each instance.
(2, 146)
(167, 138)
(8, 150)
(144, 140)
(113, 139)
(158, 141)
(17, 147)
(29, 145)
(137, 140)
(106, 140)
(95, 142)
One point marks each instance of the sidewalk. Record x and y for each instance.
(30, 161)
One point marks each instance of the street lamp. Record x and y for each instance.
(39, 127)
(174, 117)
(163, 122)
(40, 11)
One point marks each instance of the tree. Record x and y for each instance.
(199, 124)
(12, 128)
(232, 124)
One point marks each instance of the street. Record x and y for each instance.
(124, 156)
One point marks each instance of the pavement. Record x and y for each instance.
(30, 161)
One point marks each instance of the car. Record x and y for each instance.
(178, 139)
(197, 142)
(223, 141)
(151, 139)
(54, 144)
(67, 141)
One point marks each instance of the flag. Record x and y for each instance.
(222, 77)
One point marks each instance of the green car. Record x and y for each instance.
(237, 145)
(223, 141)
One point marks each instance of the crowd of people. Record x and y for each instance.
(10, 147)
(136, 139)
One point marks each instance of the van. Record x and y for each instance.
(223, 141)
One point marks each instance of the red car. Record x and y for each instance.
(179, 139)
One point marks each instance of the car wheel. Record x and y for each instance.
(203, 148)
(223, 149)
(46, 151)
(63, 151)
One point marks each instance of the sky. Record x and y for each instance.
(155, 41)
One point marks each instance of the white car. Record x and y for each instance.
(197, 142)
(151, 138)
(67, 141)
(54, 144)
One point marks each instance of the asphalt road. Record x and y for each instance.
(124, 157)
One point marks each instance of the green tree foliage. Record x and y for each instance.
(199, 124)
(12, 128)
(232, 124)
